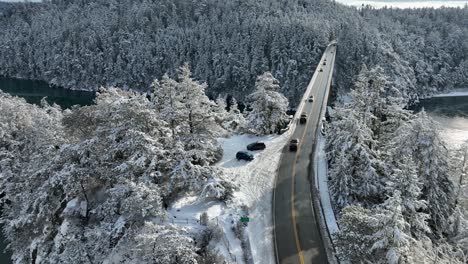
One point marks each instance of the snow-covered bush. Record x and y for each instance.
(219, 189)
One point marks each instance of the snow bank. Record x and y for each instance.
(321, 180)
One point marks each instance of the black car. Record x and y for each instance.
(244, 155)
(294, 144)
(256, 146)
(311, 98)
(303, 118)
(321, 70)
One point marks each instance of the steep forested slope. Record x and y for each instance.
(88, 43)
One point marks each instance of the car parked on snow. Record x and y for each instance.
(294, 144)
(303, 118)
(256, 146)
(244, 155)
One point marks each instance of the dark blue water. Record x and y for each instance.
(34, 91)
(453, 106)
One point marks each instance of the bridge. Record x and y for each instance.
(298, 231)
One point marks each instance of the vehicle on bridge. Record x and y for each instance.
(294, 144)
(256, 146)
(321, 70)
(244, 155)
(303, 118)
(311, 99)
(324, 63)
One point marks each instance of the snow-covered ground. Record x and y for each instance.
(404, 4)
(186, 212)
(255, 180)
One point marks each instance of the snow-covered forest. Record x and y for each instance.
(92, 184)
(89, 43)
(397, 190)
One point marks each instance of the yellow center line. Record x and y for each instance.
(296, 236)
(293, 213)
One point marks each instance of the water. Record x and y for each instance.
(33, 92)
(452, 115)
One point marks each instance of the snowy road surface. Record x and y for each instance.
(298, 237)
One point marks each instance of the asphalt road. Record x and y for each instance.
(296, 230)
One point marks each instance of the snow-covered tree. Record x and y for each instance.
(420, 137)
(193, 117)
(392, 238)
(88, 179)
(403, 177)
(376, 149)
(378, 102)
(168, 102)
(367, 97)
(165, 244)
(461, 163)
(355, 173)
(404, 180)
(354, 240)
(199, 109)
(268, 105)
(235, 120)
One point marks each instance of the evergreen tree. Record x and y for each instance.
(268, 105)
(80, 185)
(392, 239)
(432, 166)
(354, 173)
(355, 238)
